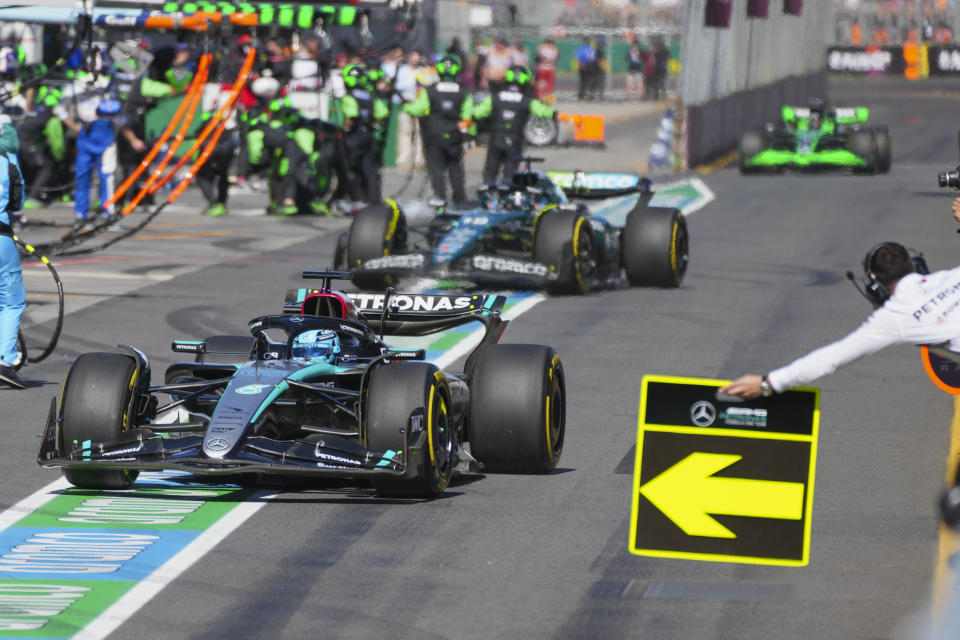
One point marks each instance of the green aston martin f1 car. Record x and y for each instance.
(816, 138)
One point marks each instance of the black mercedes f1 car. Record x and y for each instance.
(536, 232)
(316, 391)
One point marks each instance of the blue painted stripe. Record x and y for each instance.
(62, 554)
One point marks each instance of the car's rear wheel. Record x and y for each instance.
(376, 231)
(751, 143)
(410, 401)
(884, 149)
(517, 408)
(655, 247)
(864, 145)
(96, 398)
(564, 242)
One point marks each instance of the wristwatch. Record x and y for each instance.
(765, 389)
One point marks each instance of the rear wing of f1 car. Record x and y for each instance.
(396, 313)
(843, 115)
(598, 185)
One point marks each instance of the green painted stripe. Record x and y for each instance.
(144, 507)
(77, 603)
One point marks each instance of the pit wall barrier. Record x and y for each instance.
(713, 128)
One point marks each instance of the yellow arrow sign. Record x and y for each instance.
(686, 493)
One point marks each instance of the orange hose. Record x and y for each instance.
(192, 171)
(193, 100)
(214, 121)
(122, 189)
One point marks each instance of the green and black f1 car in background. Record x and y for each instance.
(817, 138)
(536, 232)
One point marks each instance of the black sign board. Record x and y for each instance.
(723, 481)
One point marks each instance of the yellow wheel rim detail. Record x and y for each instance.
(673, 247)
(433, 457)
(576, 254)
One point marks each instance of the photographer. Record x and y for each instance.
(912, 307)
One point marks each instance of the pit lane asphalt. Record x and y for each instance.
(546, 557)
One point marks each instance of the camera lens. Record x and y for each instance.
(949, 178)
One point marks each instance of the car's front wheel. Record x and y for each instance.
(408, 407)
(96, 400)
(564, 242)
(884, 149)
(863, 144)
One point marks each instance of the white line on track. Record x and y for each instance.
(707, 196)
(32, 502)
(153, 276)
(466, 345)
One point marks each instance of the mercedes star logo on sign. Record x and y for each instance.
(703, 413)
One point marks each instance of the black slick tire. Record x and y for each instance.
(655, 247)
(376, 231)
(564, 243)
(410, 399)
(95, 402)
(864, 144)
(884, 149)
(517, 418)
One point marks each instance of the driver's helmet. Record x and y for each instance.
(516, 199)
(317, 344)
(817, 112)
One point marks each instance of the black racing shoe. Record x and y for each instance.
(10, 377)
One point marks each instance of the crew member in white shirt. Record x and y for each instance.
(912, 308)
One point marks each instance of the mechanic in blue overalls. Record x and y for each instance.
(96, 121)
(13, 299)
(96, 151)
